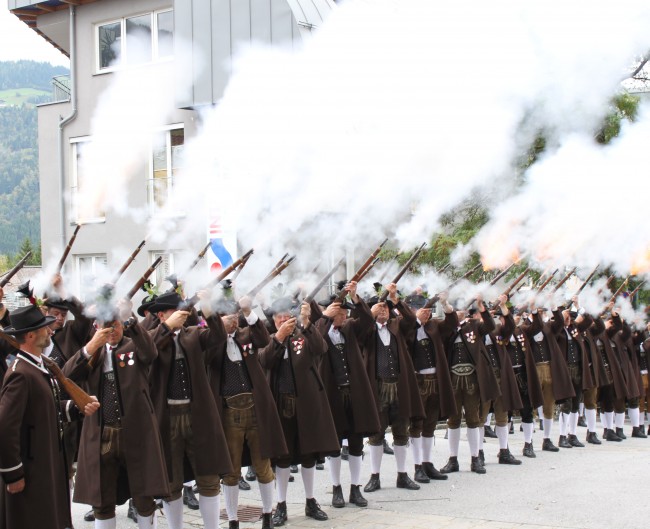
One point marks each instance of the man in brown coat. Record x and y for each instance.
(392, 377)
(120, 454)
(32, 460)
(187, 412)
(291, 361)
(250, 417)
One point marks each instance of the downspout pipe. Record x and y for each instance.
(63, 121)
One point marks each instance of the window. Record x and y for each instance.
(166, 162)
(89, 269)
(140, 39)
(165, 269)
(85, 208)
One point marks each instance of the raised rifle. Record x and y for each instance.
(493, 282)
(359, 273)
(277, 270)
(323, 281)
(432, 301)
(586, 281)
(59, 267)
(633, 293)
(619, 290)
(128, 262)
(143, 279)
(11, 273)
(403, 270)
(520, 278)
(199, 257)
(547, 281)
(370, 267)
(564, 280)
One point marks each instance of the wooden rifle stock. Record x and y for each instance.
(586, 281)
(564, 280)
(59, 267)
(128, 262)
(369, 267)
(143, 279)
(277, 270)
(199, 257)
(619, 290)
(404, 269)
(359, 273)
(516, 281)
(323, 281)
(633, 293)
(432, 301)
(547, 281)
(11, 273)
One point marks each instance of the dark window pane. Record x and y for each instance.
(109, 45)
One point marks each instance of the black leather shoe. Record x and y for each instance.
(451, 466)
(548, 446)
(320, 466)
(528, 450)
(610, 435)
(419, 475)
(267, 521)
(356, 498)
(132, 513)
(337, 497)
(280, 515)
(89, 516)
(648, 432)
(387, 449)
(573, 441)
(405, 482)
(506, 458)
(582, 422)
(250, 475)
(189, 499)
(432, 472)
(243, 485)
(637, 431)
(512, 428)
(372, 485)
(619, 432)
(233, 524)
(563, 443)
(345, 452)
(481, 456)
(293, 469)
(313, 510)
(489, 432)
(477, 466)
(592, 438)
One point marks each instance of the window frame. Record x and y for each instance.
(151, 203)
(94, 257)
(74, 183)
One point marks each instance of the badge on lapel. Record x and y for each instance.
(297, 345)
(574, 333)
(126, 358)
(522, 341)
(470, 336)
(247, 348)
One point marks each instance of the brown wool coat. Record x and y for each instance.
(535, 394)
(30, 441)
(364, 409)
(599, 374)
(146, 472)
(74, 334)
(561, 379)
(316, 429)
(439, 332)
(200, 347)
(577, 331)
(272, 443)
(509, 389)
(408, 393)
(605, 335)
(629, 364)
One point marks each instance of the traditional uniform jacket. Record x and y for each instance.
(509, 390)
(598, 370)
(605, 335)
(438, 333)
(562, 385)
(408, 393)
(364, 411)
(150, 322)
(316, 430)
(73, 336)
(577, 331)
(629, 362)
(6, 348)
(31, 447)
(249, 340)
(535, 394)
(147, 473)
(471, 332)
(199, 346)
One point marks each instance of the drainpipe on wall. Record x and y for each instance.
(63, 121)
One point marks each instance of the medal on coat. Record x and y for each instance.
(297, 345)
(521, 339)
(247, 348)
(131, 361)
(471, 338)
(121, 357)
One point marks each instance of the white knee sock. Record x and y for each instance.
(548, 423)
(453, 438)
(481, 437)
(266, 492)
(376, 453)
(472, 439)
(174, 513)
(581, 408)
(148, 522)
(590, 417)
(334, 466)
(282, 482)
(619, 419)
(400, 457)
(562, 419)
(416, 450)
(210, 510)
(427, 444)
(111, 523)
(573, 423)
(355, 469)
(308, 480)
(634, 416)
(502, 434)
(231, 498)
(528, 431)
(641, 419)
(609, 420)
(488, 419)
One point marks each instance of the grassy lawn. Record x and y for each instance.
(18, 96)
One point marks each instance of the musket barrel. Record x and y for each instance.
(128, 261)
(11, 273)
(404, 269)
(67, 249)
(143, 279)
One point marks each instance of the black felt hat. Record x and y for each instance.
(415, 301)
(345, 304)
(146, 305)
(60, 304)
(26, 319)
(166, 301)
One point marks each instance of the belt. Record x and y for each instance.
(463, 370)
(519, 366)
(542, 363)
(243, 401)
(388, 380)
(428, 376)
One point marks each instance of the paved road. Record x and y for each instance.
(597, 487)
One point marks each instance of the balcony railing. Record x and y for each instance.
(61, 88)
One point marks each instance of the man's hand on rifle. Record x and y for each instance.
(351, 288)
(423, 315)
(392, 292)
(99, 340)
(246, 305)
(479, 303)
(204, 298)
(332, 310)
(305, 313)
(285, 330)
(177, 319)
(124, 309)
(91, 407)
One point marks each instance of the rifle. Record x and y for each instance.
(633, 293)
(403, 270)
(547, 281)
(128, 262)
(619, 290)
(521, 276)
(564, 279)
(494, 281)
(586, 281)
(11, 273)
(323, 281)
(277, 270)
(370, 267)
(359, 273)
(432, 301)
(59, 267)
(442, 270)
(199, 257)
(143, 279)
